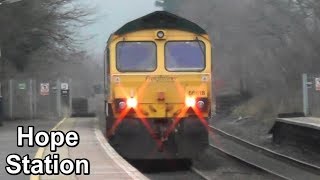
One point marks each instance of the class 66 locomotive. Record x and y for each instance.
(158, 88)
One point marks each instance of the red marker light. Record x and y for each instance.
(122, 105)
(200, 104)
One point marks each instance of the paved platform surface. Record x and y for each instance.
(105, 163)
(8, 142)
(310, 122)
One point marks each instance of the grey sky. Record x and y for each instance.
(112, 14)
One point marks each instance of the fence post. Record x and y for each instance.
(35, 99)
(1, 106)
(31, 99)
(70, 97)
(305, 94)
(59, 97)
(10, 99)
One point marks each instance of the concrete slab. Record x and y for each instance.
(303, 132)
(105, 162)
(8, 142)
(310, 122)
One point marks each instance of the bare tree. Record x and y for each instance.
(263, 44)
(35, 24)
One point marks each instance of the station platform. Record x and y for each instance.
(297, 131)
(105, 162)
(309, 122)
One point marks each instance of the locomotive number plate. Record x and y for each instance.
(198, 92)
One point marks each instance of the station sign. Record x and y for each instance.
(64, 92)
(317, 84)
(44, 89)
(64, 89)
(22, 86)
(309, 85)
(54, 88)
(64, 86)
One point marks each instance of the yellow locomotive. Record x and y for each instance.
(158, 88)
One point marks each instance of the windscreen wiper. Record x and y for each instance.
(202, 50)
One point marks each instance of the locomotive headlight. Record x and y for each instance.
(160, 34)
(132, 103)
(190, 102)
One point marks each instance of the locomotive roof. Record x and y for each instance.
(160, 20)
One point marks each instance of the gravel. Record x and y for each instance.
(217, 165)
(257, 132)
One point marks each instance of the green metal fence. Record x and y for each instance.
(311, 94)
(35, 98)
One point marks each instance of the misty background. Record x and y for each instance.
(79, 43)
(261, 47)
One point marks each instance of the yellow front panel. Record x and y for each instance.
(174, 87)
(154, 110)
(146, 86)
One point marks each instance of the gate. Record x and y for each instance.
(311, 94)
(21, 99)
(46, 98)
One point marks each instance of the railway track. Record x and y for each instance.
(187, 175)
(200, 174)
(167, 169)
(277, 164)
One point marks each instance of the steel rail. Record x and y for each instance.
(199, 173)
(249, 163)
(284, 158)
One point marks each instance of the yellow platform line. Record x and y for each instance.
(40, 152)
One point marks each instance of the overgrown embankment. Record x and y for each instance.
(261, 47)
